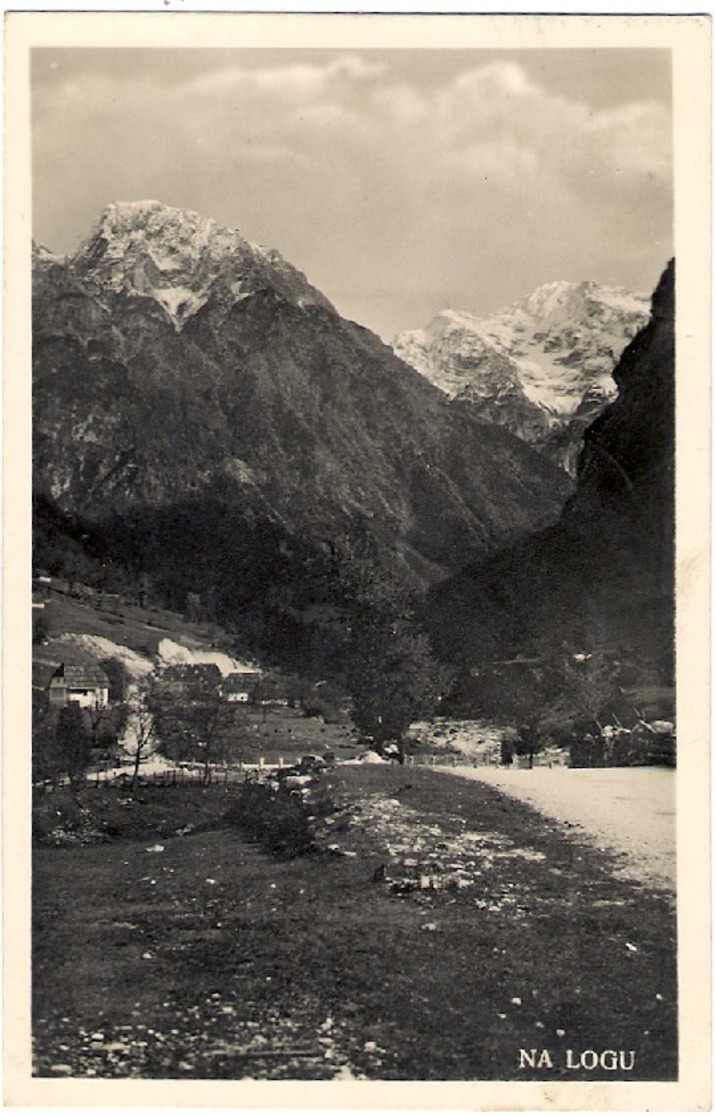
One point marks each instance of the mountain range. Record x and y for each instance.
(603, 575)
(541, 368)
(204, 417)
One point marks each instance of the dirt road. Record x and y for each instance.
(628, 811)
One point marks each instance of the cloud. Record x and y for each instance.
(362, 176)
(402, 103)
(307, 81)
(495, 80)
(498, 109)
(632, 139)
(504, 160)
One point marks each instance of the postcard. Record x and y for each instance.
(357, 459)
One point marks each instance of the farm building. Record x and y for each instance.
(182, 679)
(85, 684)
(241, 685)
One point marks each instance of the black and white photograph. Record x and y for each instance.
(355, 730)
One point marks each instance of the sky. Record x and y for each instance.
(400, 182)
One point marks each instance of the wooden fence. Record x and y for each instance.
(243, 773)
(174, 778)
(443, 759)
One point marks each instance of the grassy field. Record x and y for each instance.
(279, 732)
(140, 629)
(426, 931)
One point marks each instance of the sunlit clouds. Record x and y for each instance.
(397, 189)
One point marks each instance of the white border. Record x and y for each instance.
(688, 37)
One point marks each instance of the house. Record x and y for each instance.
(184, 679)
(85, 684)
(241, 685)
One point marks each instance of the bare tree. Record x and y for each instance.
(140, 734)
(590, 682)
(197, 723)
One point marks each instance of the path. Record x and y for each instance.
(629, 811)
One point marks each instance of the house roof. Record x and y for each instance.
(191, 672)
(81, 676)
(240, 681)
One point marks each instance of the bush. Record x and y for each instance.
(276, 819)
(627, 750)
(40, 630)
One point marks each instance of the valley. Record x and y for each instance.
(331, 667)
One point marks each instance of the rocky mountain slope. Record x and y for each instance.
(204, 414)
(541, 368)
(604, 574)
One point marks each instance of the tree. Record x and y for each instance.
(197, 724)
(193, 610)
(108, 718)
(393, 679)
(144, 589)
(72, 742)
(73, 568)
(140, 731)
(549, 691)
(590, 681)
(530, 694)
(45, 764)
(116, 672)
(391, 674)
(40, 629)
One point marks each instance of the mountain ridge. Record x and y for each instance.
(214, 442)
(603, 575)
(541, 367)
(179, 258)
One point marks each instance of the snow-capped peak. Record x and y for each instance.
(548, 300)
(174, 234)
(562, 300)
(534, 364)
(44, 255)
(179, 258)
